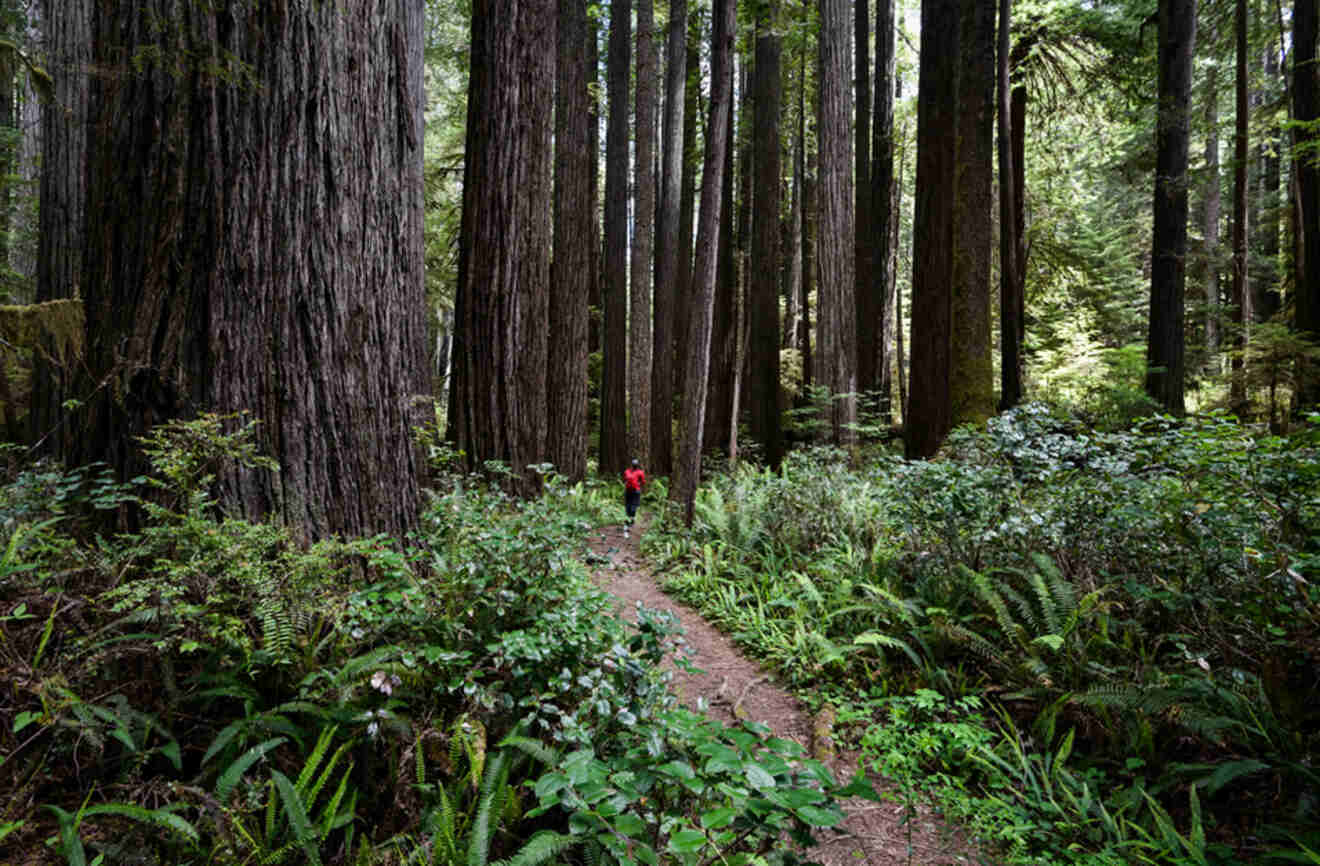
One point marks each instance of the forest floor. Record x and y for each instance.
(736, 688)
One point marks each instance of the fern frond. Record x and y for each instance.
(296, 811)
(229, 778)
(1048, 605)
(1065, 596)
(541, 848)
(533, 748)
(157, 817)
(990, 595)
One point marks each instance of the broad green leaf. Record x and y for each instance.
(687, 841)
(717, 818)
(758, 778)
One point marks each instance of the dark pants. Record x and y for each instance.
(631, 499)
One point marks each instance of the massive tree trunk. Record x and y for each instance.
(684, 489)
(687, 205)
(254, 243)
(763, 285)
(1266, 288)
(1211, 201)
(574, 212)
(1306, 98)
(67, 28)
(928, 418)
(837, 239)
(719, 419)
(971, 375)
(667, 244)
(1164, 348)
(884, 216)
(1241, 293)
(639, 330)
(866, 292)
(1010, 314)
(614, 375)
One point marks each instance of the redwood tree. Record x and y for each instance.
(640, 325)
(928, 417)
(763, 285)
(253, 242)
(614, 284)
(1306, 102)
(1164, 347)
(574, 257)
(688, 471)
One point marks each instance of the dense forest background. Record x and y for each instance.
(971, 348)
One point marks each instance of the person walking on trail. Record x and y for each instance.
(634, 479)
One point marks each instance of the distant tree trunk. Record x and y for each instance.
(1306, 98)
(928, 417)
(614, 374)
(639, 331)
(687, 205)
(574, 212)
(669, 250)
(1210, 215)
(501, 370)
(1010, 314)
(793, 277)
(884, 217)
(900, 362)
(67, 28)
(1266, 290)
(866, 297)
(684, 489)
(209, 278)
(596, 322)
(971, 376)
(1164, 349)
(836, 238)
(1241, 292)
(763, 286)
(810, 221)
(719, 419)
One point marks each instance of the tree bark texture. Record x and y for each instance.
(667, 241)
(1010, 347)
(684, 489)
(867, 301)
(763, 285)
(929, 417)
(719, 419)
(687, 205)
(1306, 99)
(1266, 288)
(254, 243)
(1164, 352)
(640, 328)
(574, 212)
(879, 281)
(1211, 201)
(836, 237)
(1241, 292)
(67, 30)
(614, 375)
(971, 376)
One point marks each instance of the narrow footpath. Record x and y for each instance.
(737, 688)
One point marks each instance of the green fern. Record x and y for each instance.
(544, 846)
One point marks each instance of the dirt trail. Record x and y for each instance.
(736, 687)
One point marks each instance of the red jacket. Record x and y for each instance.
(634, 479)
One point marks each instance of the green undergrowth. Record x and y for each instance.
(1089, 647)
(204, 690)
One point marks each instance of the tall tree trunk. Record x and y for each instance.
(639, 331)
(1266, 297)
(719, 419)
(971, 376)
(667, 268)
(596, 282)
(687, 205)
(928, 419)
(684, 489)
(793, 277)
(763, 287)
(1010, 347)
(879, 281)
(867, 300)
(1241, 292)
(209, 278)
(1164, 349)
(836, 237)
(614, 374)
(1210, 215)
(574, 211)
(1306, 96)
(67, 27)
(810, 221)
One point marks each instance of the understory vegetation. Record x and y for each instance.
(1087, 647)
(203, 689)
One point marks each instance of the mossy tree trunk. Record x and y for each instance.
(253, 242)
(971, 375)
